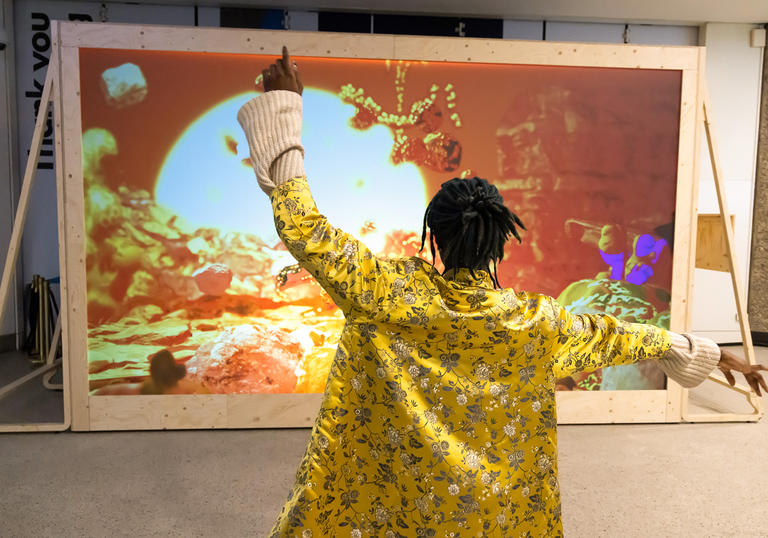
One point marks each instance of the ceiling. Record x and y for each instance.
(650, 11)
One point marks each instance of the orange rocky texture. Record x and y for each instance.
(138, 254)
(213, 279)
(155, 283)
(629, 302)
(262, 359)
(564, 156)
(421, 135)
(160, 305)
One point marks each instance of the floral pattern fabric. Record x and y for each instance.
(438, 417)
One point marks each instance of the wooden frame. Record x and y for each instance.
(296, 410)
(754, 401)
(711, 248)
(51, 94)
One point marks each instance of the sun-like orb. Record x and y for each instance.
(206, 180)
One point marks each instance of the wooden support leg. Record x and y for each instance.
(52, 355)
(13, 253)
(738, 289)
(26, 191)
(10, 387)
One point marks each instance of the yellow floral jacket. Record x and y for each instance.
(439, 416)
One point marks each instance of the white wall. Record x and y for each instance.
(600, 32)
(733, 75)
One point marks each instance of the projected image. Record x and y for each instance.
(190, 289)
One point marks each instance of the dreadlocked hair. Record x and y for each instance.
(470, 223)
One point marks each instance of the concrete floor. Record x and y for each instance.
(640, 480)
(31, 402)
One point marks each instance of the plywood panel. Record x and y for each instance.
(272, 410)
(158, 412)
(540, 53)
(289, 410)
(204, 411)
(225, 40)
(711, 249)
(615, 406)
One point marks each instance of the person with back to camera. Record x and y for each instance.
(438, 417)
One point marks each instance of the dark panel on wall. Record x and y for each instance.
(438, 26)
(415, 25)
(760, 338)
(489, 28)
(242, 17)
(332, 21)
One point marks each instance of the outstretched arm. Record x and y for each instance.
(587, 342)
(692, 358)
(342, 265)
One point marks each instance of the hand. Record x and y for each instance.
(282, 75)
(729, 361)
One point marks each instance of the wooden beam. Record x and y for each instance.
(51, 88)
(10, 387)
(26, 192)
(34, 427)
(63, 320)
(738, 289)
(51, 356)
(72, 236)
(690, 223)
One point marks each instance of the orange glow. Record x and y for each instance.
(564, 145)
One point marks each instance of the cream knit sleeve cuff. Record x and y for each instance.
(272, 125)
(690, 359)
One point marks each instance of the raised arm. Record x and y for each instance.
(342, 265)
(587, 342)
